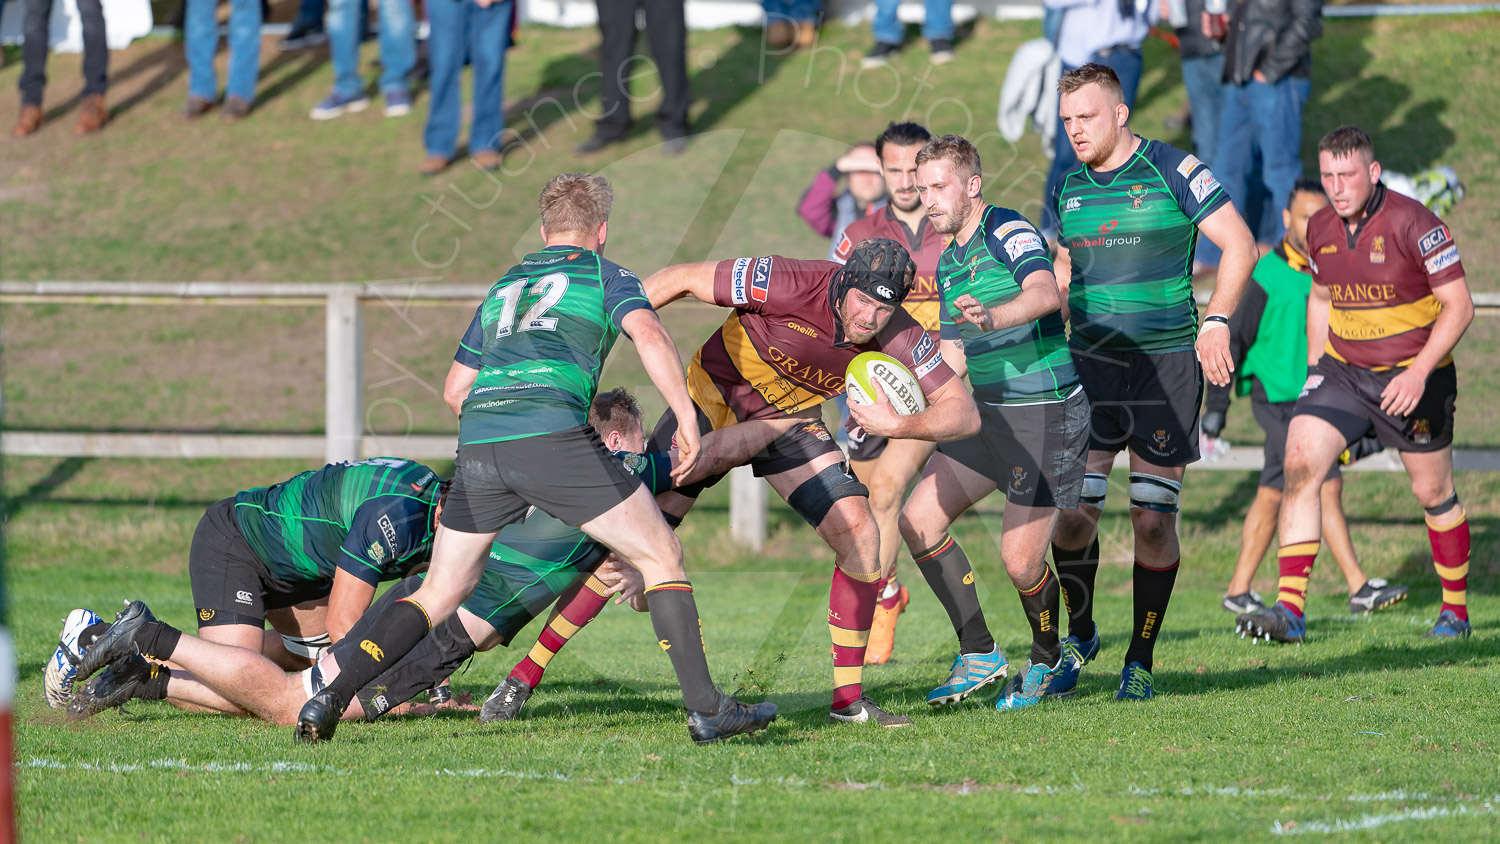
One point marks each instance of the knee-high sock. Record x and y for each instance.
(946, 569)
(1296, 564)
(1039, 601)
(576, 607)
(1450, 556)
(1076, 571)
(851, 610)
(393, 634)
(1153, 590)
(679, 632)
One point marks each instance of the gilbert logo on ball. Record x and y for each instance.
(896, 382)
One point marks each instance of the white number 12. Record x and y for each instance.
(551, 287)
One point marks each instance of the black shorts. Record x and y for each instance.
(1275, 419)
(1035, 452)
(230, 584)
(433, 660)
(866, 447)
(1149, 403)
(568, 474)
(797, 447)
(1348, 398)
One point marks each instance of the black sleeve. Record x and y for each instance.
(1296, 40)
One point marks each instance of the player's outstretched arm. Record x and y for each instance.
(1038, 297)
(674, 282)
(664, 367)
(1401, 395)
(950, 415)
(1228, 232)
(457, 385)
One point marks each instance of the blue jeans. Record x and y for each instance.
(1126, 63)
(793, 10)
(1203, 77)
(201, 34)
(1265, 121)
(310, 17)
(459, 28)
(937, 23)
(398, 45)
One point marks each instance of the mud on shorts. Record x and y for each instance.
(1348, 398)
(568, 474)
(1149, 403)
(1035, 452)
(230, 583)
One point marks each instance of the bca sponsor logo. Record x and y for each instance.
(1023, 243)
(1203, 184)
(1188, 165)
(760, 282)
(1432, 240)
(1442, 260)
(243, 597)
(923, 349)
(738, 281)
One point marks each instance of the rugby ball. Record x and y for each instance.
(896, 382)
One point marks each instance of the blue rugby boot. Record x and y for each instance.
(1135, 683)
(1075, 655)
(970, 673)
(1448, 626)
(1030, 686)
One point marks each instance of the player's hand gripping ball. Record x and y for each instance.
(896, 381)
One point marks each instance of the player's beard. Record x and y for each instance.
(916, 202)
(1099, 150)
(947, 221)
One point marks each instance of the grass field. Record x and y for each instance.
(1368, 731)
(1367, 724)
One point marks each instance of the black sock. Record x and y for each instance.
(392, 635)
(679, 631)
(1076, 571)
(948, 572)
(157, 640)
(1040, 604)
(155, 686)
(1153, 589)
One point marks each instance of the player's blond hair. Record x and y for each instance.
(953, 148)
(576, 203)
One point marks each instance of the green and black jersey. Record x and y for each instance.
(372, 518)
(1130, 234)
(539, 339)
(532, 561)
(1023, 364)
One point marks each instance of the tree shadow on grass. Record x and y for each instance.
(164, 64)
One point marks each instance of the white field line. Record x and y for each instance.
(1372, 821)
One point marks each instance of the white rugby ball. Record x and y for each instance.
(896, 382)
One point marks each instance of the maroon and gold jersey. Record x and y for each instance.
(924, 301)
(783, 349)
(1381, 278)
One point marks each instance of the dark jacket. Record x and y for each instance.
(1272, 36)
(1194, 44)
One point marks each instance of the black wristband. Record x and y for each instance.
(1216, 318)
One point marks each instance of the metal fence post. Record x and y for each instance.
(747, 508)
(344, 376)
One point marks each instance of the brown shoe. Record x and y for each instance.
(780, 34)
(196, 107)
(487, 160)
(27, 122)
(92, 115)
(807, 34)
(234, 108)
(433, 165)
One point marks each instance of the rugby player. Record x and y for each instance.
(795, 327)
(1130, 217)
(1001, 323)
(888, 467)
(524, 440)
(1268, 342)
(305, 554)
(1389, 303)
(531, 563)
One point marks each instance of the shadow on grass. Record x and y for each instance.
(165, 64)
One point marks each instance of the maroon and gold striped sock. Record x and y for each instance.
(888, 590)
(851, 610)
(1450, 556)
(576, 607)
(1296, 564)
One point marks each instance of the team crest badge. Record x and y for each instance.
(1017, 478)
(1421, 432)
(377, 552)
(1137, 194)
(1161, 438)
(205, 614)
(1377, 250)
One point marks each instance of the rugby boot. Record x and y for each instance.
(1245, 602)
(863, 710)
(1448, 626)
(733, 718)
(1076, 653)
(62, 668)
(113, 686)
(1029, 687)
(970, 673)
(118, 641)
(1376, 594)
(1277, 624)
(883, 629)
(318, 719)
(1136, 683)
(505, 702)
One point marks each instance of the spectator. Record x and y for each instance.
(1267, 80)
(92, 114)
(1202, 50)
(792, 22)
(398, 51)
(827, 210)
(937, 28)
(1107, 32)
(307, 28)
(480, 30)
(201, 31)
(666, 30)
